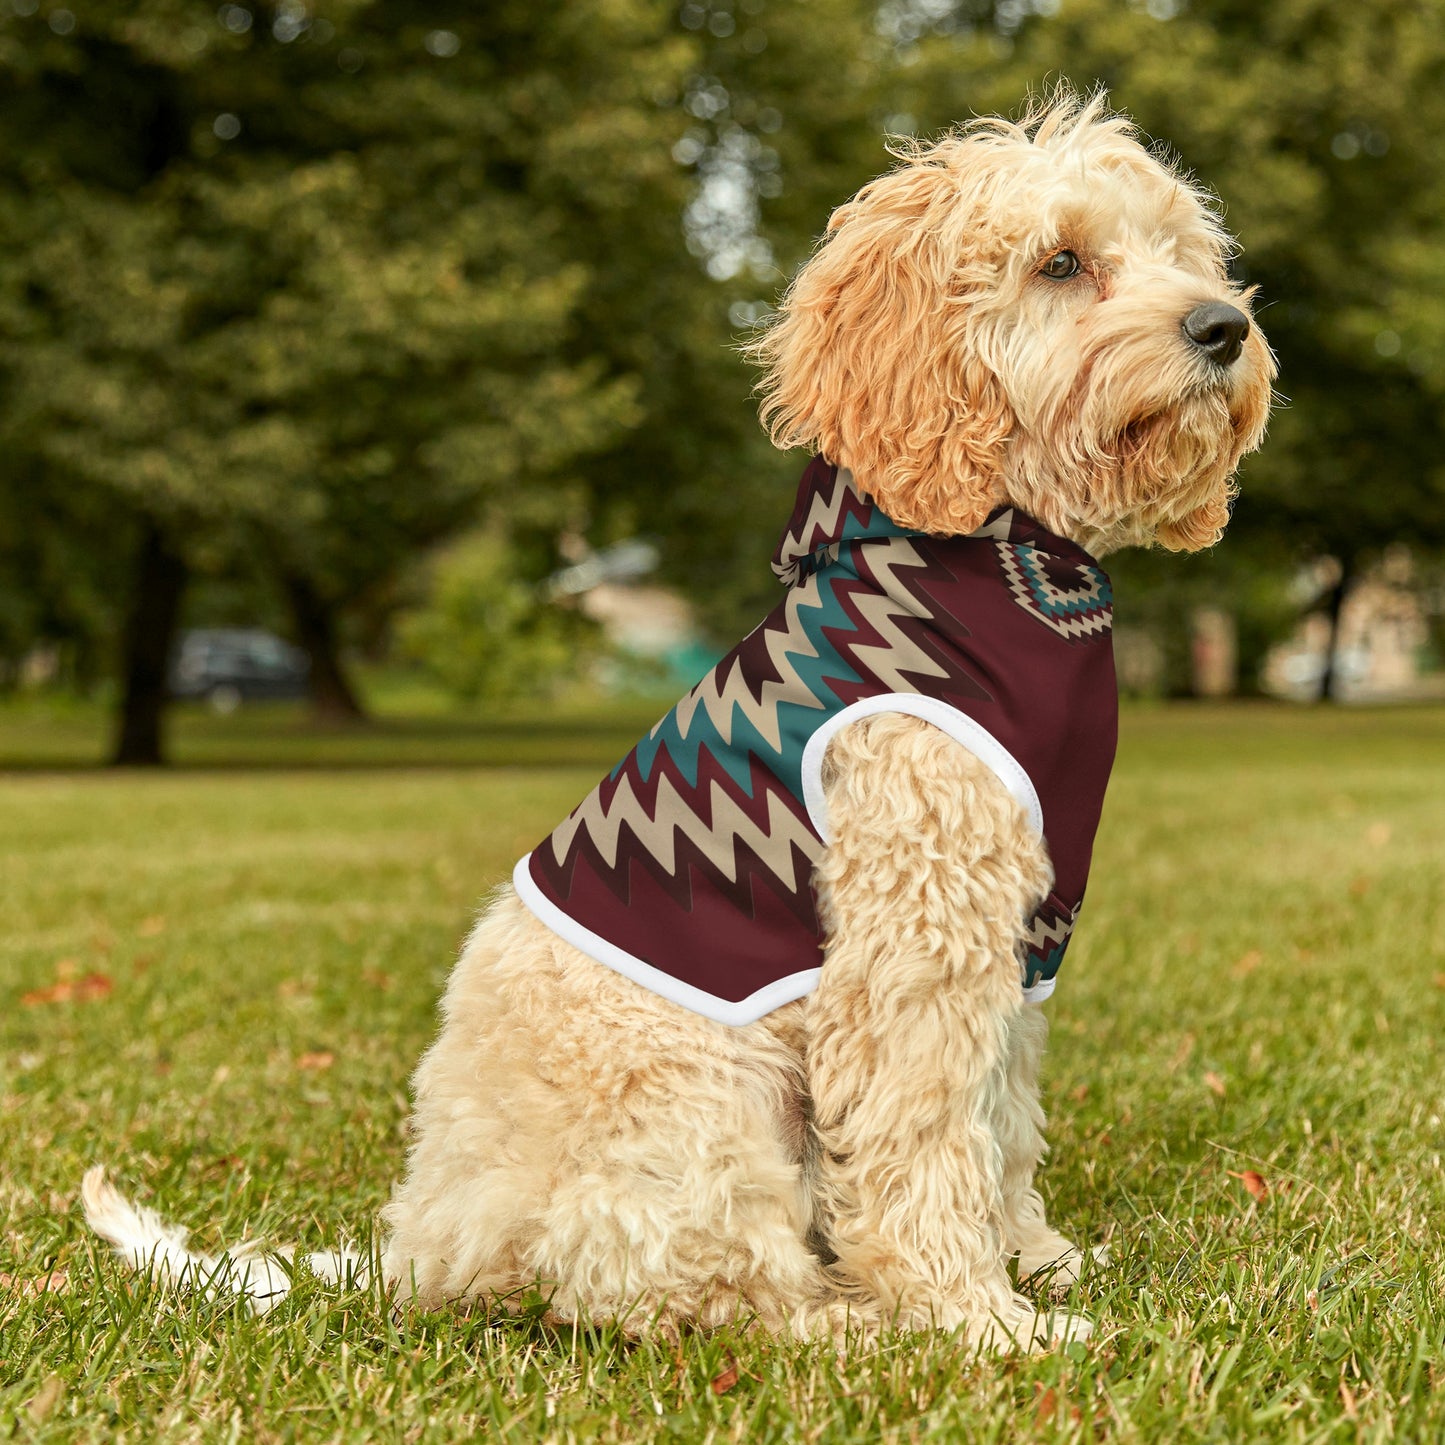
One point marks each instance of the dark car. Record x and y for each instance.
(231, 665)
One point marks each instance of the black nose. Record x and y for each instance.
(1218, 331)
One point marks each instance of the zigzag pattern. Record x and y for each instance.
(1047, 937)
(1072, 612)
(665, 817)
(724, 696)
(704, 823)
(715, 779)
(831, 510)
(897, 640)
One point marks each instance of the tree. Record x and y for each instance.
(300, 289)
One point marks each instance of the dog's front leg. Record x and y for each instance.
(931, 870)
(1042, 1251)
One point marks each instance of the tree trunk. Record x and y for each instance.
(333, 699)
(1329, 678)
(150, 629)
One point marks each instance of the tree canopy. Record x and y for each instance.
(298, 290)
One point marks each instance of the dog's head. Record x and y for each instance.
(1036, 314)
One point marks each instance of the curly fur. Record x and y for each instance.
(650, 1165)
(921, 347)
(866, 1156)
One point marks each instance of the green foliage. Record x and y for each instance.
(316, 286)
(485, 633)
(1161, 591)
(317, 301)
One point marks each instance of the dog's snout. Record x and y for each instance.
(1218, 330)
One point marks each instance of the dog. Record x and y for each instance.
(755, 1034)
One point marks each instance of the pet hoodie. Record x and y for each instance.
(689, 867)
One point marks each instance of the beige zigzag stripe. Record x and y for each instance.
(773, 843)
(825, 514)
(724, 699)
(896, 653)
(1041, 933)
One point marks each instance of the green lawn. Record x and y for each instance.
(217, 979)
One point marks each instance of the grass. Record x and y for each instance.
(217, 979)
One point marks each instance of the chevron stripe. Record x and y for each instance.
(1046, 940)
(905, 652)
(833, 514)
(727, 702)
(661, 817)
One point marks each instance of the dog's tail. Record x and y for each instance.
(147, 1243)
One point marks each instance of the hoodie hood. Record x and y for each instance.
(831, 510)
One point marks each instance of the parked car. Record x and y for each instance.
(230, 665)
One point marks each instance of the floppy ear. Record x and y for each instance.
(872, 362)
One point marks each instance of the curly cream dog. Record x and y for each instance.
(1031, 316)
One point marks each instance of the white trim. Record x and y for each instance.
(745, 1011)
(958, 725)
(1040, 991)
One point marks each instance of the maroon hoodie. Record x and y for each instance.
(689, 867)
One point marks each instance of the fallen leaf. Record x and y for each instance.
(1248, 963)
(724, 1382)
(1046, 1408)
(320, 1059)
(1080, 1094)
(56, 993)
(1359, 886)
(83, 990)
(56, 1282)
(1181, 1054)
(1214, 1083)
(1254, 1182)
(1440, 980)
(377, 978)
(151, 927)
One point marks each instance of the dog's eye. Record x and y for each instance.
(1060, 266)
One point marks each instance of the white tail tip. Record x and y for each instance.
(147, 1243)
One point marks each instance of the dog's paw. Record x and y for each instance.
(1058, 1328)
(1057, 1267)
(1023, 1326)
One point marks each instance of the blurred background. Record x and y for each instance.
(363, 359)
